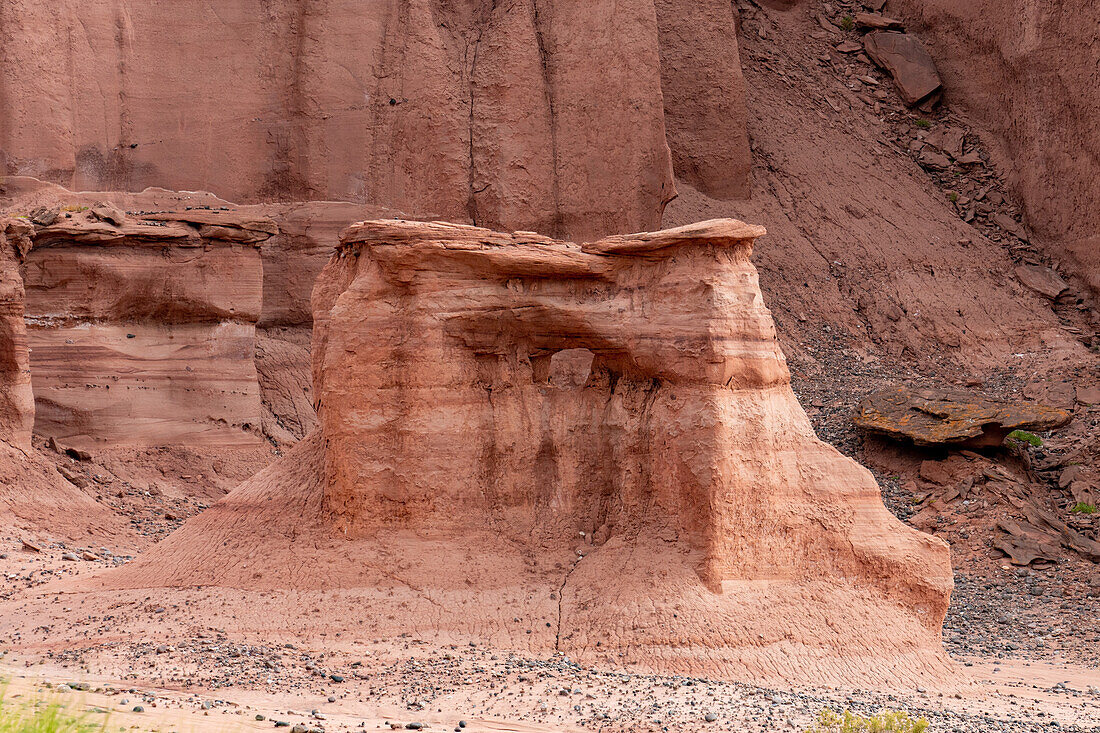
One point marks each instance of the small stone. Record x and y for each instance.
(110, 214)
(260, 717)
(139, 709)
(64, 688)
(331, 698)
(710, 717)
(70, 556)
(336, 677)
(282, 724)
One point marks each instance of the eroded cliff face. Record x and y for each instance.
(1027, 71)
(16, 396)
(592, 449)
(142, 328)
(534, 114)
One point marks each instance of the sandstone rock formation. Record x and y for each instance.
(33, 495)
(142, 329)
(704, 96)
(590, 448)
(308, 232)
(531, 113)
(1026, 70)
(935, 417)
(16, 396)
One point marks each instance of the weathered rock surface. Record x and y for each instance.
(539, 114)
(1042, 280)
(542, 446)
(293, 258)
(16, 395)
(142, 332)
(704, 96)
(34, 497)
(1026, 70)
(306, 232)
(905, 57)
(936, 417)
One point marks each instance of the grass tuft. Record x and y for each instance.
(45, 717)
(1025, 437)
(1083, 508)
(888, 721)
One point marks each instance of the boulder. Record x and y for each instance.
(1042, 280)
(878, 22)
(932, 417)
(907, 61)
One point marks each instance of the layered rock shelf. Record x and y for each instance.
(142, 329)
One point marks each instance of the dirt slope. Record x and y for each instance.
(1026, 72)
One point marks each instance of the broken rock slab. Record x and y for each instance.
(931, 417)
(907, 61)
(1042, 280)
(879, 22)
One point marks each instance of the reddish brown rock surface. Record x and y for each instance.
(142, 331)
(1026, 71)
(539, 114)
(34, 497)
(547, 446)
(704, 96)
(16, 395)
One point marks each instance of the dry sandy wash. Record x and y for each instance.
(548, 447)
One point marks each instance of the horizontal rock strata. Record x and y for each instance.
(142, 329)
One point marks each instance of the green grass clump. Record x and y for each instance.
(45, 717)
(923, 123)
(1025, 437)
(848, 22)
(888, 721)
(1083, 508)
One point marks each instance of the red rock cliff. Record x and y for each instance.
(540, 114)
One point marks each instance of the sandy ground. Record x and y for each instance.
(1009, 695)
(214, 680)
